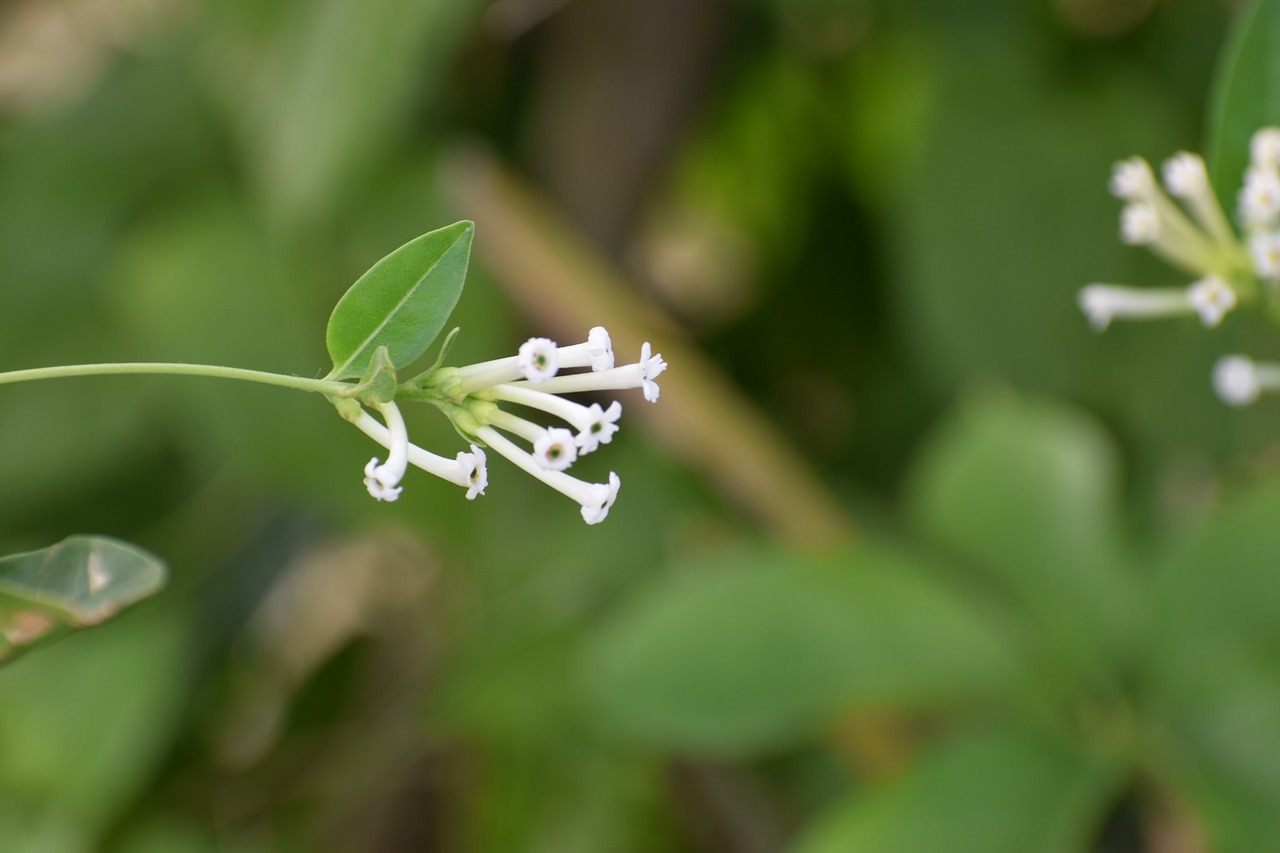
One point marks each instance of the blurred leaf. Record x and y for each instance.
(402, 302)
(1027, 494)
(761, 648)
(1000, 792)
(1215, 676)
(80, 582)
(336, 90)
(85, 721)
(1247, 96)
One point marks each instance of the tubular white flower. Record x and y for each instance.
(1264, 148)
(1236, 380)
(1139, 224)
(1260, 198)
(596, 352)
(476, 464)
(555, 449)
(1264, 247)
(1211, 298)
(1132, 179)
(538, 359)
(1102, 303)
(642, 374)
(1185, 175)
(1187, 178)
(382, 480)
(595, 425)
(466, 470)
(594, 498)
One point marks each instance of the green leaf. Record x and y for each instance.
(1027, 494)
(401, 303)
(81, 581)
(752, 651)
(998, 792)
(1215, 674)
(1247, 93)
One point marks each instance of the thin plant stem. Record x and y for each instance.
(67, 371)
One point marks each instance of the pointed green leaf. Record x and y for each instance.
(81, 581)
(1247, 93)
(379, 381)
(401, 303)
(760, 649)
(997, 792)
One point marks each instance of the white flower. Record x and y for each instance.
(467, 470)
(1102, 303)
(1264, 148)
(1264, 246)
(595, 426)
(538, 359)
(555, 449)
(1211, 298)
(1185, 175)
(1132, 179)
(1235, 379)
(642, 374)
(602, 498)
(596, 352)
(1260, 198)
(600, 428)
(594, 498)
(1139, 224)
(376, 485)
(475, 464)
(382, 480)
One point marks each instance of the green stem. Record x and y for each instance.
(318, 386)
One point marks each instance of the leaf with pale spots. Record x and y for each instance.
(79, 582)
(401, 303)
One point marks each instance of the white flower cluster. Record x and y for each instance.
(1193, 233)
(532, 379)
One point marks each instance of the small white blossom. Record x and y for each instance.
(1185, 175)
(600, 428)
(594, 498)
(1139, 224)
(602, 497)
(1211, 298)
(475, 464)
(1235, 379)
(467, 470)
(1260, 198)
(641, 374)
(538, 359)
(1102, 303)
(652, 366)
(382, 480)
(376, 485)
(555, 449)
(1132, 179)
(596, 352)
(1264, 148)
(1264, 246)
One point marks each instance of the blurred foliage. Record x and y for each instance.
(1054, 630)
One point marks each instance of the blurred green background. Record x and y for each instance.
(905, 558)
